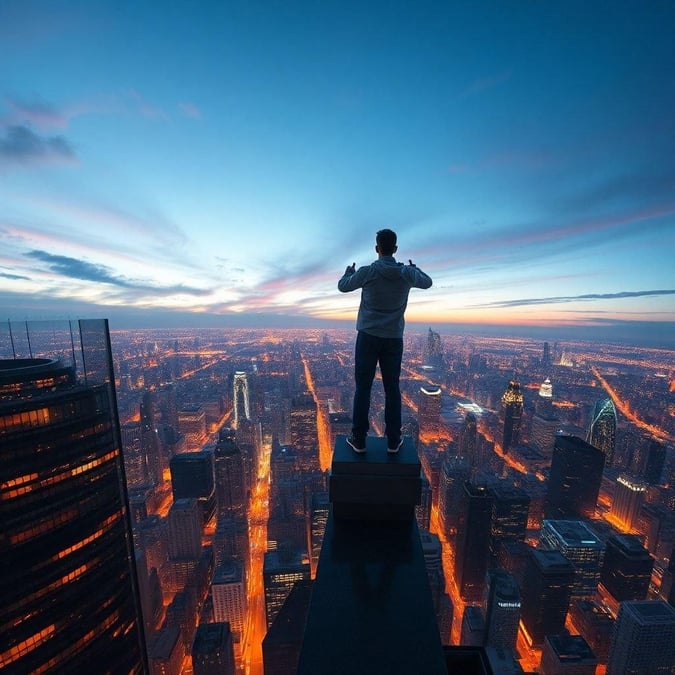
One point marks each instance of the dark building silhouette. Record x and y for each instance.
(510, 508)
(602, 429)
(512, 414)
(212, 650)
(282, 642)
(545, 594)
(574, 481)
(468, 437)
(304, 434)
(627, 568)
(567, 653)
(643, 640)
(656, 458)
(429, 409)
(595, 622)
(281, 570)
(433, 351)
(68, 584)
(501, 606)
(473, 541)
(150, 444)
(455, 471)
(473, 627)
(192, 478)
(230, 475)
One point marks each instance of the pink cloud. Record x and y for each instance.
(188, 109)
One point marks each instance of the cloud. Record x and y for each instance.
(79, 269)
(21, 145)
(484, 83)
(37, 113)
(146, 108)
(573, 298)
(188, 109)
(16, 277)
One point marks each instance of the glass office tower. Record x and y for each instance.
(67, 572)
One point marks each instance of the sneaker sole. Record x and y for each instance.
(360, 451)
(393, 451)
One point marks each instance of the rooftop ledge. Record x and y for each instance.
(371, 609)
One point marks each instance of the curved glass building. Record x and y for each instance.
(602, 430)
(67, 579)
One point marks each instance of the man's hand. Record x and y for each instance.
(351, 269)
(411, 263)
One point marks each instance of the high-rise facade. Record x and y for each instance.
(212, 652)
(433, 350)
(545, 594)
(575, 477)
(192, 424)
(545, 422)
(510, 510)
(468, 437)
(230, 475)
(643, 640)
(192, 478)
(501, 606)
(429, 409)
(150, 443)
(304, 432)
(627, 568)
(602, 429)
(281, 570)
(629, 495)
(512, 415)
(473, 541)
(228, 590)
(70, 600)
(455, 471)
(242, 403)
(581, 546)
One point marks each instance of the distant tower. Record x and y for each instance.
(185, 541)
(242, 405)
(602, 429)
(467, 440)
(473, 541)
(433, 350)
(546, 357)
(644, 638)
(656, 458)
(512, 411)
(135, 462)
(230, 475)
(574, 482)
(627, 568)
(429, 410)
(68, 583)
(304, 432)
(150, 444)
(545, 423)
(501, 605)
(629, 495)
(546, 595)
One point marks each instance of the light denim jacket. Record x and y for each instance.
(385, 285)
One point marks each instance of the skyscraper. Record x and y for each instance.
(510, 510)
(230, 475)
(574, 482)
(281, 569)
(565, 653)
(473, 541)
(433, 350)
(304, 433)
(512, 413)
(185, 541)
(467, 441)
(212, 652)
(602, 429)
(242, 404)
(627, 568)
(545, 423)
(454, 472)
(643, 640)
(501, 605)
(629, 495)
(70, 600)
(192, 478)
(150, 443)
(581, 546)
(228, 589)
(545, 595)
(429, 410)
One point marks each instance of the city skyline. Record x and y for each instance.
(220, 165)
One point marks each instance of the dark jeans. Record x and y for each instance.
(388, 352)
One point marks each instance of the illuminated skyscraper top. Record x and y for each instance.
(512, 411)
(242, 405)
(602, 430)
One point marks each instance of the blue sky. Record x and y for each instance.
(224, 162)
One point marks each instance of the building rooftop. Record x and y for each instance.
(571, 649)
(573, 533)
(209, 637)
(650, 611)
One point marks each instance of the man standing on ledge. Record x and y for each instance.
(385, 285)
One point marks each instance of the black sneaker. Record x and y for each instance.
(357, 444)
(392, 448)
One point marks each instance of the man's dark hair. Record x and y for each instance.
(386, 242)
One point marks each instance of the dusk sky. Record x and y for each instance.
(223, 162)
